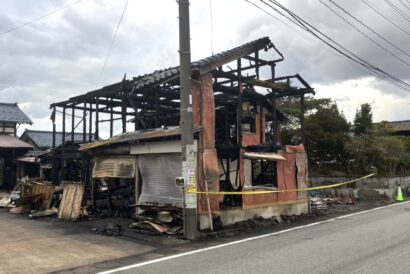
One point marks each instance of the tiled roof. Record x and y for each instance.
(399, 126)
(44, 139)
(12, 113)
(8, 141)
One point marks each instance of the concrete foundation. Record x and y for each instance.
(231, 216)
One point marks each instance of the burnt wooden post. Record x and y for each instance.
(85, 123)
(227, 140)
(274, 118)
(261, 125)
(53, 118)
(72, 123)
(124, 112)
(239, 122)
(96, 120)
(239, 107)
(111, 120)
(90, 123)
(257, 64)
(302, 117)
(62, 147)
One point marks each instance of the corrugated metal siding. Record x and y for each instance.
(118, 167)
(158, 172)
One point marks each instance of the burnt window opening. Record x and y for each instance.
(225, 120)
(248, 123)
(264, 173)
(249, 110)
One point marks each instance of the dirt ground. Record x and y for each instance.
(49, 245)
(43, 246)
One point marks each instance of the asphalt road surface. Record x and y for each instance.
(375, 241)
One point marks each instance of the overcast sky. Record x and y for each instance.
(62, 55)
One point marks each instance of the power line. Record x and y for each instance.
(364, 34)
(386, 18)
(397, 10)
(111, 45)
(404, 4)
(38, 18)
(283, 22)
(367, 27)
(336, 46)
(310, 40)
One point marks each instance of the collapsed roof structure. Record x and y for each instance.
(152, 100)
(235, 121)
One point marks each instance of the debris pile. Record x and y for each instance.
(323, 203)
(109, 229)
(29, 194)
(158, 220)
(43, 199)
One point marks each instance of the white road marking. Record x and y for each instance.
(245, 240)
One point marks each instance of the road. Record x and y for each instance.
(375, 241)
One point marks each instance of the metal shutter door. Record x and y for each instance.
(158, 172)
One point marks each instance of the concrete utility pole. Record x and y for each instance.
(187, 139)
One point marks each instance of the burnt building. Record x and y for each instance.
(236, 131)
(38, 162)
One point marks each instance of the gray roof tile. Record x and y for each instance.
(224, 57)
(44, 139)
(12, 113)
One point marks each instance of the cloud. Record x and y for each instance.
(62, 55)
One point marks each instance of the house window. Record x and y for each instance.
(264, 173)
(248, 117)
(248, 123)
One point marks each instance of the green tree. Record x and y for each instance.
(327, 130)
(362, 123)
(290, 106)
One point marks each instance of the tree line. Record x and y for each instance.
(338, 147)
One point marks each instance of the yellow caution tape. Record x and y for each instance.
(194, 191)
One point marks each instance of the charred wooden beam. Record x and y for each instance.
(85, 123)
(72, 124)
(53, 119)
(90, 123)
(96, 120)
(302, 117)
(111, 121)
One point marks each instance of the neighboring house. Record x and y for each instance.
(11, 147)
(42, 140)
(236, 147)
(401, 128)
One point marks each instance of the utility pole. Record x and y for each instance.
(187, 139)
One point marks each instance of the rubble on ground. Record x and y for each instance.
(318, 203)
(109, 229)
(161, 220)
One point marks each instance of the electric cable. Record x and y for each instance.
(385, 17)
(38, 18)
(364, 34)
(111, 45)
(367, 27)
(336, 46)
